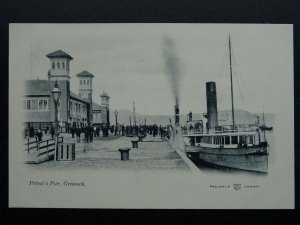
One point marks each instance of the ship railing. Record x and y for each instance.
(223, 129)
(236, 128)
(191, 132)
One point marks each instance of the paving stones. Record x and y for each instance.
(102, 153)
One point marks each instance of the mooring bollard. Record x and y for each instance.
(124, 153)
(135, 144)
(141, 138)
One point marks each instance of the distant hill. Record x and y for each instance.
(241, 117)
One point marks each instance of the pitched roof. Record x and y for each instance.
(73, 95)
(59, 54)
(84, 74)
(104, 94)
(37, 87)
(96, 106)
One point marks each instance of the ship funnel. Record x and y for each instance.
(176, 107)
(211, 100)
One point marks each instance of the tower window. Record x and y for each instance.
(63, 65)
(28, 104)
(58, 65)
(53, 65)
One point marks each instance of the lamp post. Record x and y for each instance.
(56, 96)
(116, 114)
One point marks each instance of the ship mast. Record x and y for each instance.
(232, 105)
(30, 60)
(264, 124)
(133, 114)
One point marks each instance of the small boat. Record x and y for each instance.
(238, 146)
(263, 127)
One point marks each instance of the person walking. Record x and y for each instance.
(39, 135)
(52, 131)
(78, 132)
(47, 129)
(123, 129)
(91, 133)
(31, 131)
(98, 131)
(72, 131)
(86, 134)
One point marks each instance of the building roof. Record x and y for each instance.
(42, 88)
(73, 95)
(104, 94)
(84, 74)
(96, 106)
(37, 87)
(59, 54)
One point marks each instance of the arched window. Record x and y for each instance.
(58, 65)
(53, 65)
(63, 65)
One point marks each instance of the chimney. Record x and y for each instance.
(211, 100)
(190, 116)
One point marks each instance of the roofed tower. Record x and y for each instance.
(85, 84)
(105, 108)
(105, 99)
(59, 65)
(86, 88)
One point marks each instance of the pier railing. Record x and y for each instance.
(40, 151)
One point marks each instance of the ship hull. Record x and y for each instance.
(251, 159)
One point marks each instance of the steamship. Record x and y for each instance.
(238, 146)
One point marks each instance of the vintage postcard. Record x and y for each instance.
(167, 116)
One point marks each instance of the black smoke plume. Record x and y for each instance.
(172, 66)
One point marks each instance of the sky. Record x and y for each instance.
(129, 63)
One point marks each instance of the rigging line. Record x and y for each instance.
(223, 61)
(222, 71)
(245, 116)
(236, 73)
(31, 60)
(240, 74)
(237, 82)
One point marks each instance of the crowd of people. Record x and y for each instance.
(153, 130)
(38, 134)
(90, 132)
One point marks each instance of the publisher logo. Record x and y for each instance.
(237, 186)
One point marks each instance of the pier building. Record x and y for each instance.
(73, 109)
